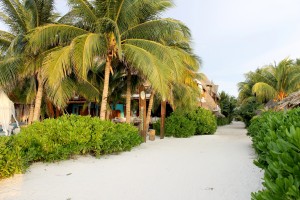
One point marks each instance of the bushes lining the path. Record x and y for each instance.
(222, 121)
(60, 139)
(276, 139)
(183, 124)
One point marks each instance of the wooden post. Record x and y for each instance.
(142, 109)
(162, 118)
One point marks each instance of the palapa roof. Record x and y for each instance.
(292, 101)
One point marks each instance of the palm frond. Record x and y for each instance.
(83, 9)
(51, 35)
(157, 30)
(9, 70)
(61, 94)
(109, 27)
(11, 10)
(263, 91)
(164, 54)
(88, 91)
(85, 50)
(56, 66)
(130, 13)
(158, 74)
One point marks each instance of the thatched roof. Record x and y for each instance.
(292, 101)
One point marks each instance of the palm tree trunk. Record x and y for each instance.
(105, 87)
(163, 117)
(50, 108)
(38, 100)
(149, 109)
(31, 110)
(128, 97)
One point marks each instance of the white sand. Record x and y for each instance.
(217, 167)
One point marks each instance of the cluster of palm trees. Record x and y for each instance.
(272, 82)
(100, 49)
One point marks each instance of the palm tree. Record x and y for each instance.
(124, 30)
(245, 87)
(277, 81)
(22, 17)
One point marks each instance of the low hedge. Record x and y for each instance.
(276, 139)
(183, 124)
(179, 126)
(222, 121)
(205, 121)
(59, 139)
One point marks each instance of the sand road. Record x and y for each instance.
(214, 167)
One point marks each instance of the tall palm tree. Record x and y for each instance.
(245, 87)
(277, 81)
(22, 17)
(125, 30)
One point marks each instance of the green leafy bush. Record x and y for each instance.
(276, 139)
(62, 138)
(187, 123)
(248, 110)
(10, 158)
(156, 127)
(177, 125)
(221, 121)
(204, 120)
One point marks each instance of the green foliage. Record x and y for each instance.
(156, 127)
(221, 121)
(204, 120)
(276, 139)
(227, 104)
(62, 138)
(177, 125)
(248, 110)
(10, 158)
(184, 123)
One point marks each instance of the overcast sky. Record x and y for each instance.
(233, 37)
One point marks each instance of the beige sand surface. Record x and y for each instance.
(217, 167)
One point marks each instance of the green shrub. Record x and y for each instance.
(221, 121)
(60, 139)
(177, 125)
(121, 138)
(204, 120)
(276, 139)
(248, 110)
(156, 127)
(10, 158)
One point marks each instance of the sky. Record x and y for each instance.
(233, 37)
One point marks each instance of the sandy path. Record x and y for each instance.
(217, 167)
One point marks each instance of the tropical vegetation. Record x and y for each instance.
(270, 83)
(182, 123)
(227, 105)
(276, 139)
(63, 138)
(119, 32)
(21, 70)
(93, 48)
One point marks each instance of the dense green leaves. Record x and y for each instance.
(177, 125)
(227, 105)
(10, 158)
(62, 138)
(276, 139)
(205, 121)
(181, 123)
(248, 110)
